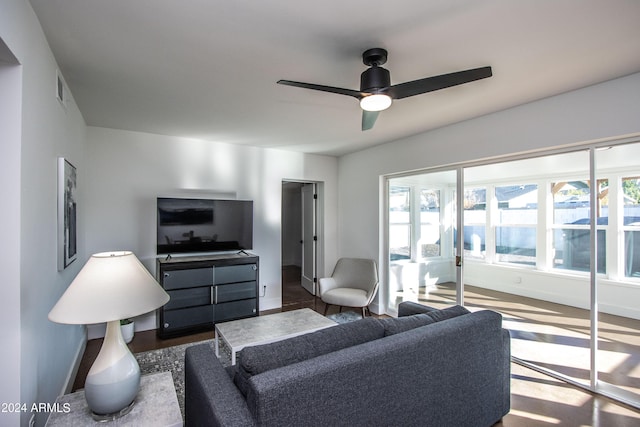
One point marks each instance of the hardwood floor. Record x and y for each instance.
(556, 336)
(143, 341)
(536, 399)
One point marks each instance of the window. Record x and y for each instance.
(475, 220)
(399, 223)
(429, 242)
(571, 210)
(415, 221)
(516, 223)
(631, 225)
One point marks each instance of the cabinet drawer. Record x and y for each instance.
(235, 310)
(176, 279)
(182, 298)
(235, 291)
(235, 273)
(187, 317)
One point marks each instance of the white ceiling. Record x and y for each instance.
(208, 69)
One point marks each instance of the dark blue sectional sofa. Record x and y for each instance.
(425, 368)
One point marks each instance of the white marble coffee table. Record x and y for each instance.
(238, 334)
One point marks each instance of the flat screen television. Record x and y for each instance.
(203, 225)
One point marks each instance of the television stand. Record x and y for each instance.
(205, 290)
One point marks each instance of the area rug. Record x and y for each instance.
(172, 359)
(345, 316)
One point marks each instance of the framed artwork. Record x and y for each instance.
(67, 225)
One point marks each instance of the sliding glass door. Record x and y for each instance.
(618, 254)
(421, 236)
(552, 242)
(525, 226)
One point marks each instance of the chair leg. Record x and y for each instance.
(364, 312)
(326, 307)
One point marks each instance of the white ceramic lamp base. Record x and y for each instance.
(114, 379)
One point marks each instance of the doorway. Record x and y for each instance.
(300, 242)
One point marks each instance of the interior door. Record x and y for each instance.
(309, 237)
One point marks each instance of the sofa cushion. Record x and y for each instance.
(447, 313)
(408, 308)
(401, 324)
(257, 359)
(395, 325)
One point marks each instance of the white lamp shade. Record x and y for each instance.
(111, 286)
(376, 102)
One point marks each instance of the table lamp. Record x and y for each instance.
(111, 286)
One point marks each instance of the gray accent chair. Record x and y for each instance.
(354, 283)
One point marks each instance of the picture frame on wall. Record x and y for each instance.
(67, 218)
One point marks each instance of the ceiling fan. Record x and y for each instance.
(376, 93)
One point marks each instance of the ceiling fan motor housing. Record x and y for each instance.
(374, 79)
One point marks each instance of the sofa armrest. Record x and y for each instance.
(211, 398)
(409, 308)
(506, 378)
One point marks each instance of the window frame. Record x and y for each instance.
(446, 197)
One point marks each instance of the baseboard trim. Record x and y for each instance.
(374, 307)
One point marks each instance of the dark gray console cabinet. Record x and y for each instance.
(206, 290)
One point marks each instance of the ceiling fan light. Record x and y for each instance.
(376, 102)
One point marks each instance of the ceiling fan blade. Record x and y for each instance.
(340, 91)
(369, 119)
(430, 84)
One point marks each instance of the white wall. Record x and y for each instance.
(128, 170)
(568, 288)
(601, 111)
(47, 352)
(10, 124)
